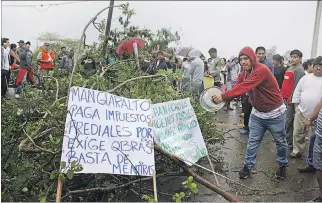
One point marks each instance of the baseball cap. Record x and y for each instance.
(21, 41)
(46, 44)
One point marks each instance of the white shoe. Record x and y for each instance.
(17, 96)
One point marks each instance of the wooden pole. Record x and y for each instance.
(59, 189)
(196, 177)
(155, 186)
(212, 168)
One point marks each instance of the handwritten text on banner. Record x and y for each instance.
(103, 129)
(176, 129)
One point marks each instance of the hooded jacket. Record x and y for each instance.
(259, 82)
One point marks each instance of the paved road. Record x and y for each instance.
(295, 187)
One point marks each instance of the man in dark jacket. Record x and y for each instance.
(26, 69)
(279, 69)
(160, 63)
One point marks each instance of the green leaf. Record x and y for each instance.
(24, 190)
(62, 164)
(182, 195)
(42, 199)
(70, 174)
(53, 175)
(194, 190)
(73, 164)
(194, 185)
(178, 200)
(190, 179)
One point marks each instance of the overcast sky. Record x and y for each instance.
(227, 25)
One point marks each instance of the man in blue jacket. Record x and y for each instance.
(261, 57)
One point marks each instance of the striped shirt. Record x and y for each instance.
(269, 115)
(318, 129)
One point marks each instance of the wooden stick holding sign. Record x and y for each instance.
(154, 177)
(155, 186)
(59, 189)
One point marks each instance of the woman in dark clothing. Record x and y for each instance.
(279, 69)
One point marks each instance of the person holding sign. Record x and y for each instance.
(268, 110)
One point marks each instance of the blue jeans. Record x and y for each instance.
(257, 128)
(309, 158)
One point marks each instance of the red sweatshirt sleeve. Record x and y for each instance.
(243, 87)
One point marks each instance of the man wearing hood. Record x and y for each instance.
(195, 71)
(232, 67)
(292, 76)
(267, 113)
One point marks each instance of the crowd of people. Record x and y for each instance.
(19, 58)
(282, 96)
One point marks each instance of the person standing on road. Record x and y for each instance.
(309, 168)
(317, 148)
(261, 57)
(232, 67)
(46, 59)
(215, 66)
(26, 70)
(308, 66)
(196, 72)
(305, 97)
(279, 69)
(267, 114)
(5, 67)
(291, 78)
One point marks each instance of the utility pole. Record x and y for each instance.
(108, 27)
(315, 41)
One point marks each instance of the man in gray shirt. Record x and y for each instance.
(214, 66)
(196, 71)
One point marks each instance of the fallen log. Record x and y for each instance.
(196, 177)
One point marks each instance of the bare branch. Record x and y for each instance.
(40, 148)
(80, 44)
(133, 79)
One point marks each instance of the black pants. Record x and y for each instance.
(5, 77)
(247, 109)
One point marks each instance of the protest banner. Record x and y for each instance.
(176, 129)
(108, 134)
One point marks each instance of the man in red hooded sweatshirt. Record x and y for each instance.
(268, 110)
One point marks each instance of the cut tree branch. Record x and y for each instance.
(40, 148)
(196, 177)
(80, 44)
(133, 79)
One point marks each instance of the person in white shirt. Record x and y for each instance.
(306, 96)
(5, 67)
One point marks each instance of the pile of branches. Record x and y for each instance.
(32, 132)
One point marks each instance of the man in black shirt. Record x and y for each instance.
(279, 69)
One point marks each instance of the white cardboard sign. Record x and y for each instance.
(108, 134)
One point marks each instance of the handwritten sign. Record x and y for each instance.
(176, 129)
(108, 134)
